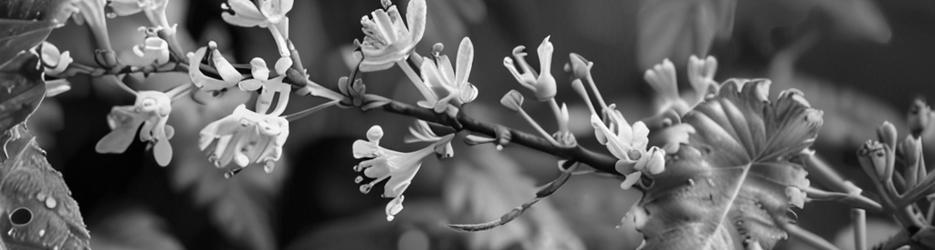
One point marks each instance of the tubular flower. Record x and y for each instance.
(383, 164)
(543, 84)
(701, 76)
(229, 75)
(270, 15)
(269, 86)
(628, 144)
(245, 137)
(448, 84)
(387, 39)
(155, 11)
(662, 79)
(92, 13)
(153, 51)
(151, 110)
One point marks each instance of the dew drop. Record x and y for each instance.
(691, 182)
(41, 196)
(365, 188)
(111, 15)
(41, 232)
(499, 147)
(357, 168)
(359, 179)
(51, 202)
(10, 232)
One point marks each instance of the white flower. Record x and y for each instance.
(54, 61)
(155, 11)
(271, 15)
(448, 84)
(269, 86)
(628, 144)
(152, 52)
(387, 39)
(542, 84)
(151, 110)
(245, 137)
(663, 80)
(701, 76)
(383, 164)
(227, 71)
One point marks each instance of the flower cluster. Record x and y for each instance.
(245, 137)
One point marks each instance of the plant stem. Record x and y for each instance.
(535, 125)
(860, 228)
(601, 162)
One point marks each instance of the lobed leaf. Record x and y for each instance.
(732, 185)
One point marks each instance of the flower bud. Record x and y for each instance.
(873, 157)
(578, 66)
(887, 134)
(513, 100)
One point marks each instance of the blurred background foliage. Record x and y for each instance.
(861, 61)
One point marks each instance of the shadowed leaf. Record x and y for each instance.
(732, 185)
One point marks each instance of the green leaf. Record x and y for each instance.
(732, 184)
(21, 92)
(37, 208)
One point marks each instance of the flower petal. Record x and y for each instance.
(125, 124)
(394, 207)
(465, 61)
(415, 19)
(125, 7)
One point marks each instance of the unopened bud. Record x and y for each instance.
(513, 100)
(578, 66)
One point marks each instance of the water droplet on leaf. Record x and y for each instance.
(51, 202)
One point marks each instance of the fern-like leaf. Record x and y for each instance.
(732, 185)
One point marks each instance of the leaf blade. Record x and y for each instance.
(729, 186)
